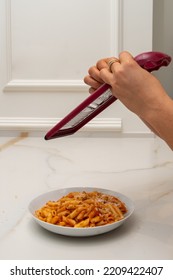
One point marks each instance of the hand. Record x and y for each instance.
(137, 89)
(94, 79)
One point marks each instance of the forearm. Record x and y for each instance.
(150, 127)
(160, 121)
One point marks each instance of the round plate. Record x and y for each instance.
(39, 201)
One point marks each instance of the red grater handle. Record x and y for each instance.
(150, 61)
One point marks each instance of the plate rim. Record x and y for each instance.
(88, 231)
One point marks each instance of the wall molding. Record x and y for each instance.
(44, 124)
(34, 85)
(45, 85)
(116, 29)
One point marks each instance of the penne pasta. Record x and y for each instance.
(83, 209)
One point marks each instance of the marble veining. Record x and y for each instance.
(140, 168)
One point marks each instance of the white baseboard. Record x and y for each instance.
(109, 127)
(44, 124)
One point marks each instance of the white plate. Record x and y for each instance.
(70, 231)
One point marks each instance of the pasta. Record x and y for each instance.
(83, 209)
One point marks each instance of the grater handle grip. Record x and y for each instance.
(152, 61)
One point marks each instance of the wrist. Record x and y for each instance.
(160, 117)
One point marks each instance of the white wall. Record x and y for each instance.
(47, 46)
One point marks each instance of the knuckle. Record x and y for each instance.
(91, 70)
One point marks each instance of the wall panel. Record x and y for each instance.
(47, 47)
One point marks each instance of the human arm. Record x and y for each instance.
(138, 90)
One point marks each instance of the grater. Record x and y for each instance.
(101, 99)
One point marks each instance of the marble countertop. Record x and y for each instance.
(140, 168)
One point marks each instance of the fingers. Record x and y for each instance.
(93, 83)
(102, 63)
(101, 72)
(125, 57)
(94, 72)
(116, 67)
(93, 79)
(106, 73)
(107, 76)
(111, 62)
